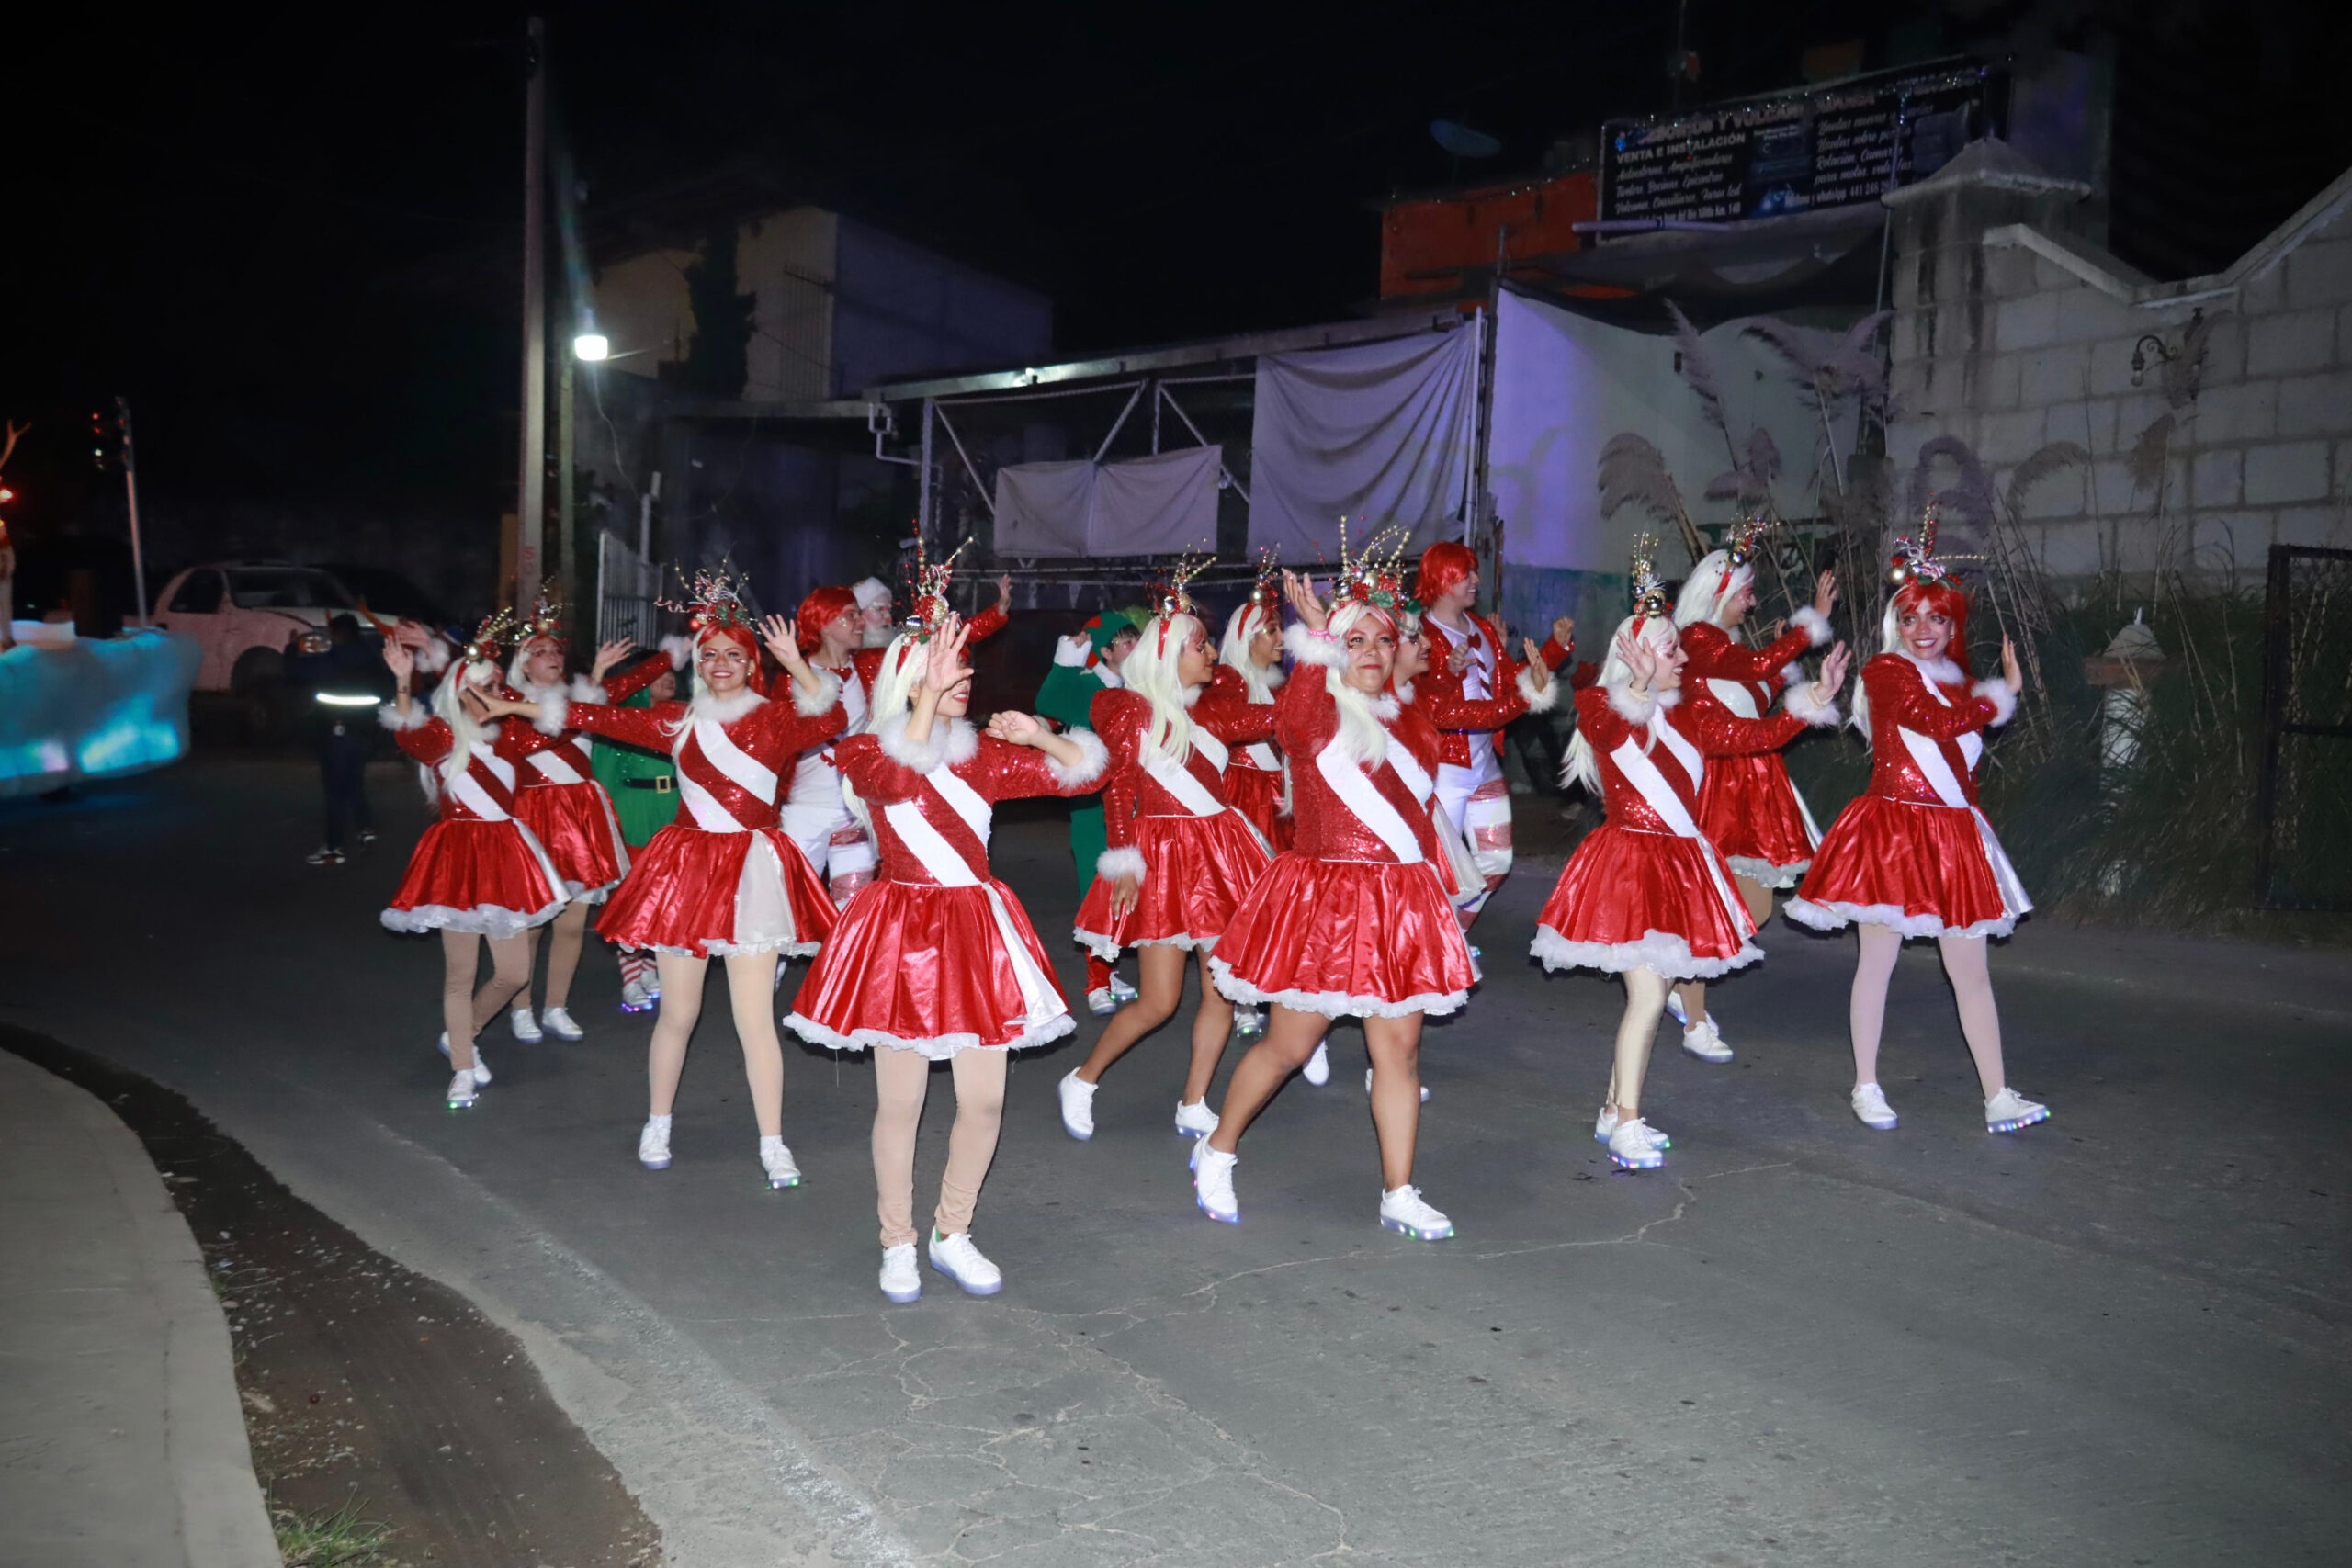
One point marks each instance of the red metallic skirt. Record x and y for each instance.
(936, 970)
(710, 895)
(1196, 872)
(1749, 811)
(1631, 899)
(1364, 938)
(471, 875)
(574, 823)
(1923, 870)
(1258, 795)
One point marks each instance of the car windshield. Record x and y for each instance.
(290, 588)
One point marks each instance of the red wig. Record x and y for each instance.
(1945, 598)
(821, 609)
(1446, 566)
(741, 632)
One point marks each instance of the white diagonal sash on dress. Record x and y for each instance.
(949, 869)
(1737, 695)
(553, 767)
(469, 791)
(1409, 768)
(1178, 780)
(1651, 784)
(1936, 768)
(1359, 795)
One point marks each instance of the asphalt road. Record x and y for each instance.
(2116, 1339)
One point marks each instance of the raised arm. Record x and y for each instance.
(1530, 689)
(1898, 694)
(1021, 756)
(1227, 713)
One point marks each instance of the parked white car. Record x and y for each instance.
(241, 613)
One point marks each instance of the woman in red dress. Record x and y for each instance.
(1913, 855)
(1646, 896)
(562, 803)
(723, 881)
(1747, 808)
(1352, 920)
(935, 960)
(478, 873)
(1180, 858)
(1249, 672)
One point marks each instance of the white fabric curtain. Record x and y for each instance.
(1381, 430)
(1142, 506)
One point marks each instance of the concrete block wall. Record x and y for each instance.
(2010, 350)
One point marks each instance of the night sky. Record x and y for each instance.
(290, 237)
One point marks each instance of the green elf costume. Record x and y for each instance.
(1080, 669)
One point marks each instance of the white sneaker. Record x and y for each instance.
(1367, 1086)
(1605, 1124)
(480, 1068)
(955, 1256)
(1078, 1105)
(1674, 1005)
(462, 1088)
(1404, 1211)
(776, 1160)
(1124, 992)
(1213, 1182)
(1702, 1041)
(1101, 1002)
(1317, 1071)
(653, 1145)
(1248, 1020)
(1871, 1110)
(1636, 1148)
(2009, 1111)
(558, 1022)
(1195, 1120)
(901, 1281)
(636, 996)
(526, 1028)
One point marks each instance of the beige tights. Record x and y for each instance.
(567, 931)
(1645, 1004)
(464, 1009)
(901, 1078)
(1758, 899)
(750, 992)
(1160, 966)
(1971, 986)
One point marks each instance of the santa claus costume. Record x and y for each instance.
(1352, 920)
(1180, 858)
(723, 881)
(1470, 666)
(1748, 809)
(478, 873)
(561, 801)
(831, 623)
(1646, 896)
(936, 959)
(1913, 855)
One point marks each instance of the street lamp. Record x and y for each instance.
(592, 347)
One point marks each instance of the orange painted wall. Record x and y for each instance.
(1459, 232)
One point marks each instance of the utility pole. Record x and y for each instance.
(530, 498)
(567, 376)
(131, 493)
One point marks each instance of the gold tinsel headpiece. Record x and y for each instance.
(1649, 589)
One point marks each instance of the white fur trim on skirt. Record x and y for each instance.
(1669, 954)
(1831, 917)
(1332, 1004)
(1764, 873)
(938, 1050)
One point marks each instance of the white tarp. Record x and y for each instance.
(1381, 430)
(1141, 507)
(1565, 385)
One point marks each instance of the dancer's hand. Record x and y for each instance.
(1124, 892)
(782, 639)
(1300, 591)
(1564, 630)
(1459, 660)
(1004, 594)
(609, 655)
(1535, 660)
(1018, 728)
(943, 656)
(1641, 659)
(1825, 591)
(400, 661)
(2010, 675)
(1833, 672)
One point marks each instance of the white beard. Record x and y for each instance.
(877, 636)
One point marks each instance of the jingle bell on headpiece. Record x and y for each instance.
(1650, 601)
(1172, 595)
(544, 621)
(1375, 575)
(1917, 563)
(927, 609)
(490, 639)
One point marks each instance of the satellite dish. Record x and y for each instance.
(1463, 141)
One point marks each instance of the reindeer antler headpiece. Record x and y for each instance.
(1650, 601)
(1743, 544)
(1172, 595)
(714, 603)
(1268, 589)
(490, 639)
(928, 594)
(1376, 574)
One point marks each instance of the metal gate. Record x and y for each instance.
(2304, 801)
(627, 584)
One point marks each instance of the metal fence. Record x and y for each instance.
(2304, 801)
(626, 585)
